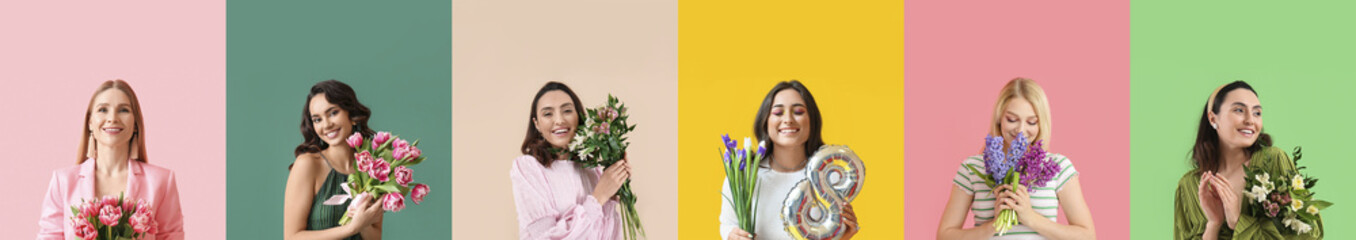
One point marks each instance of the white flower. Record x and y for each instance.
(1312, 210)
(1297, 225)
(1297, 182)
(748, 144)
(1296, 205)
(1259, 193)
(1264, 177)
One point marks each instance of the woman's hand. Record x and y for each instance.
(849, 220)
(1209, 200)
(612, 179)
(739, 234)
(366, 212)
(998, 198)
(1228, 199)
(1019, 200)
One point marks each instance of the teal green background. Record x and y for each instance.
(1299, 56)
(397, 57)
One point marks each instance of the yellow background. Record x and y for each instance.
(850, 54)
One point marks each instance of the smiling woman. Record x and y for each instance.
(555, 197)
(323, 162)
(112, 165)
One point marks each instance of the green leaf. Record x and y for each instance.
(1320, 204)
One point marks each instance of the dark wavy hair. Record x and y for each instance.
(338, 93)
(1205, 155)
(816, 121)
(533, 143)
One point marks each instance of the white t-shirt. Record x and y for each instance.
(1045, 200)
(773, 187)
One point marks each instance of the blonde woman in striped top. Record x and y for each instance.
(1021, 107)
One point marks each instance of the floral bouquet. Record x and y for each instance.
(386, 160)
(601, 143)
(113, 218)
(1025, 165)
(1286, 200)
(741, 173)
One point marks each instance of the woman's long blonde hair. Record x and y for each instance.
(1025, 89)
(137, 146)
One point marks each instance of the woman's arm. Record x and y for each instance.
(1075, 210)
(953, 217)
(297, 203)
(1188, 221)
(51, 225)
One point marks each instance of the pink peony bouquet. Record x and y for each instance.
(383, 163)
(113, 218)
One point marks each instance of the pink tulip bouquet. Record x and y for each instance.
(383, 172)
(113, 218)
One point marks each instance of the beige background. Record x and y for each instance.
(503, 51)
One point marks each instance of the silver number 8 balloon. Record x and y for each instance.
(822, 195)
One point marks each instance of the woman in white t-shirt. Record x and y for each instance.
(789, 122)
(1021, 108)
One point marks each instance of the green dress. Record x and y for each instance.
(1189, 220)
(327, 216)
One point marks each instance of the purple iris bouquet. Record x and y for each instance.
(1022, 164)
(741, 173)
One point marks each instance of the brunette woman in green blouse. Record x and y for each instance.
(1210, 201)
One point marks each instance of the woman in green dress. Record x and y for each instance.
(1209, 203)
(324, 160)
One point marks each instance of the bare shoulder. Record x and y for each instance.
(308, 163)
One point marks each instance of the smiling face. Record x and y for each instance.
(1239, 120)
(111, 118)
(1019, 117)
(788, 121)
(329, 121)
(556, 118)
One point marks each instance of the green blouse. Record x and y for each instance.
(1189, 221)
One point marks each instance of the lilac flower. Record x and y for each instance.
(1036, 169)
(1017, 149)
(995, 162)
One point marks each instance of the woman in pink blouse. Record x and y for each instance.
(112, 162)
(556, 198)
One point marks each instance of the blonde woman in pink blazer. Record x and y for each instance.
(112, 162)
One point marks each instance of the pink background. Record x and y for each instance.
(53, 56)
(959, 54)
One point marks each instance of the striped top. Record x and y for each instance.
(327, 216)
(1043, 200)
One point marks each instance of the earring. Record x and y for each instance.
(1214, 126)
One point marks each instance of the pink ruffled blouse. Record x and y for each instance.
(556, 203)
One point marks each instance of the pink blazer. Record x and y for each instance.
(146, 182)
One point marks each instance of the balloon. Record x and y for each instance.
(813, 208)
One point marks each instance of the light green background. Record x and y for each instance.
(1299, 56)
(397, 57)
